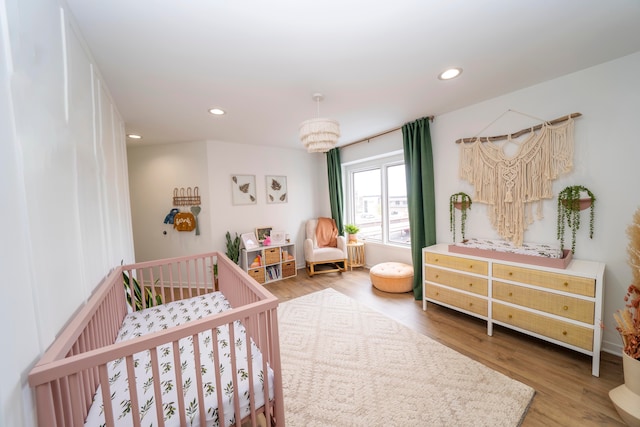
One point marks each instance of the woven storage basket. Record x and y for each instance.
(258, 274)
(271, 256)
(288, 269)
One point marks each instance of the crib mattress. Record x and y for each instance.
(166, 316)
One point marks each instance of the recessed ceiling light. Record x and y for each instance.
(217, 111)
(450, 73)
(134, 136)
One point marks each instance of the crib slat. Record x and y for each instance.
(203, 283)
(179, 389)
(171, 282)
(46, 405)
(234, 373)
(92, 373)
(265, 347)
(206, 277)
(188, 271)
(268, 384)
(276, 363)
(83, 377)
(106, 395)
(197, 285)
(202, 408)
(151, 286)
(140, 272)
(74, 393)
(252, 399)
(216, 362)
(161, 283)
(57, 402)
(133, 391)
(212, 275)
(66, 401)
(180, 283)
(157, 386)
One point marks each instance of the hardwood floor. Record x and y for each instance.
(566, 392)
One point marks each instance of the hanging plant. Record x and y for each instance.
(569, 206)
(463, 202)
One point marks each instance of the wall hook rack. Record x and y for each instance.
(186, 197)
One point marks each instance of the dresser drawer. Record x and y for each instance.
(477, 285)
(561, 282)
(458, 263)
(578, 336)
(561, 305)
(458, 299)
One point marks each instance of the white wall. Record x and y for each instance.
(63, 183)
(156, 170)
(605, 161)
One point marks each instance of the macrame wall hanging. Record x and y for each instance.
(511, 185)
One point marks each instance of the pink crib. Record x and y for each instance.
(75, 365)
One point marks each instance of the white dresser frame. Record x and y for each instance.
(578, 268)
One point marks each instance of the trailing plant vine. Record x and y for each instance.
(569, 213)
(465, 204)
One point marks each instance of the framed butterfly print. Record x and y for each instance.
(276, 189)
(243, 189)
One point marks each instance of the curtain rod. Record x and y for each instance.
(377, 135)
(520, 132)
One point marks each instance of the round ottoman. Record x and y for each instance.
(394, 277)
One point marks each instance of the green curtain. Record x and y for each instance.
(334, 171)
(418, 163)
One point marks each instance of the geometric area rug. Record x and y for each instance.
(344, 364)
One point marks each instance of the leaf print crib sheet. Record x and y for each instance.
(166, 316)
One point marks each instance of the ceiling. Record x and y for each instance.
(376, 62)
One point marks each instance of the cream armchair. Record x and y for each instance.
(332, 259)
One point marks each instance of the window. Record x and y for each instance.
(376, 199)
(398, 208)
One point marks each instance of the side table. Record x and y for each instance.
(355, 254)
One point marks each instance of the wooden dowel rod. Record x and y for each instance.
(520, 132)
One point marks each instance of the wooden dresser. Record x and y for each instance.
(562, 306)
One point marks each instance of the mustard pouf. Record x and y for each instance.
(394, 277)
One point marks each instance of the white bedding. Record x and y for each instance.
(534, 249)
(163, 317)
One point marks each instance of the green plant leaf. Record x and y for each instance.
(135, 294)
